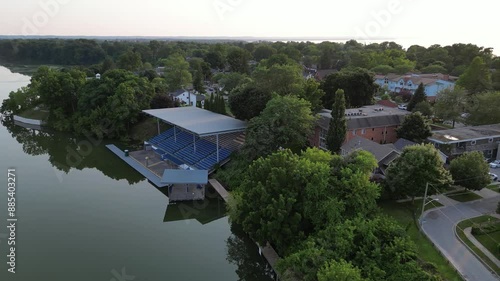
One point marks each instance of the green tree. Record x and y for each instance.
(279, 215)
(215, 59)
(337, 128)
(415, 127)
(425, 108)
(280, 79)
(418, 97)
(477, 78)
(231, 81)
(247, 101)
(358, 86)
(237, 58)
(177, 72)
(339, 271)
(483, 109)
(263, 52)
(470, 171)
(450, 104)
(286, 122)
(312, 93)
(418, 165)
(383, 69)
(130, 61)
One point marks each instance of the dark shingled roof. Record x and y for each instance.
(381, 152)
(402, 143)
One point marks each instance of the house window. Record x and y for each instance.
(386, 81)
(363, 131)
(353, 132)
(373, 129)
(372, 138)
(473, 142)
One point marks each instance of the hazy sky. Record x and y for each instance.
(407, 22)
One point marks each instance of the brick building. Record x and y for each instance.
(372, 122)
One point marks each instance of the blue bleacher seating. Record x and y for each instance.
(180, 149)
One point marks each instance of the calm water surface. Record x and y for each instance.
(85, 215)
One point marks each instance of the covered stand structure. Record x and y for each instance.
(195, 136)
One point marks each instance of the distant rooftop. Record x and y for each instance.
(466, 134)
(198, 121)
(369, 116)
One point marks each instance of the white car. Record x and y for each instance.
(402, 106)
(493, 177)
(495, 164)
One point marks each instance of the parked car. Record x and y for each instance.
(495, 164)
(493, 177)
(402, 107)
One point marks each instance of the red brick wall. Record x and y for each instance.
(378, 135)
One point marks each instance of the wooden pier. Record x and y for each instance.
(267, 251)
(220, 189)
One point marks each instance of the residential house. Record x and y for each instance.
(186, 97)
(433, 83)
(454, 142)
(385, 154)
(372, 122)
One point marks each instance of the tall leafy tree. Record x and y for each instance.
(477, 78)
(417, 166)
(450, 104)
(177, 72)
(286, 122)
(130, 61)
(483, 109)
(418, 97)
(263, 52)
(358, 86)
(337, 128)
(247, 101)
(281, 79)
(339, 271)
(311, 92)
(237, 58)
(415, 127)
(279, 216)
(470, 171)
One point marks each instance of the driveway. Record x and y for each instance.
(439, 225)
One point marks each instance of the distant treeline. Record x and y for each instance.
(382, 58)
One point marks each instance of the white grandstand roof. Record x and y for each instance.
(198, 121)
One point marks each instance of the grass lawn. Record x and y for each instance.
(463, 196)
(489, 241)
(468, 223)
(34, 114)
(406, 214)
(494, 187)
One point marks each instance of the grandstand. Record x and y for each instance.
(198, 139)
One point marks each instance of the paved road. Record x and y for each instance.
(439, 226)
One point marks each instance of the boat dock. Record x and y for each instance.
(138, 166)
(220, 189)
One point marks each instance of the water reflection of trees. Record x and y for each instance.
(243, 252)
(66, 152)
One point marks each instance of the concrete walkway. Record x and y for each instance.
(480, 246)
(486, 193)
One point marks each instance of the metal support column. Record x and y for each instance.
(194, 143)
(217, 148)
(175, 133)
(158, 123)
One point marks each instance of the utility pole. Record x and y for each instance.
(423, 201)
